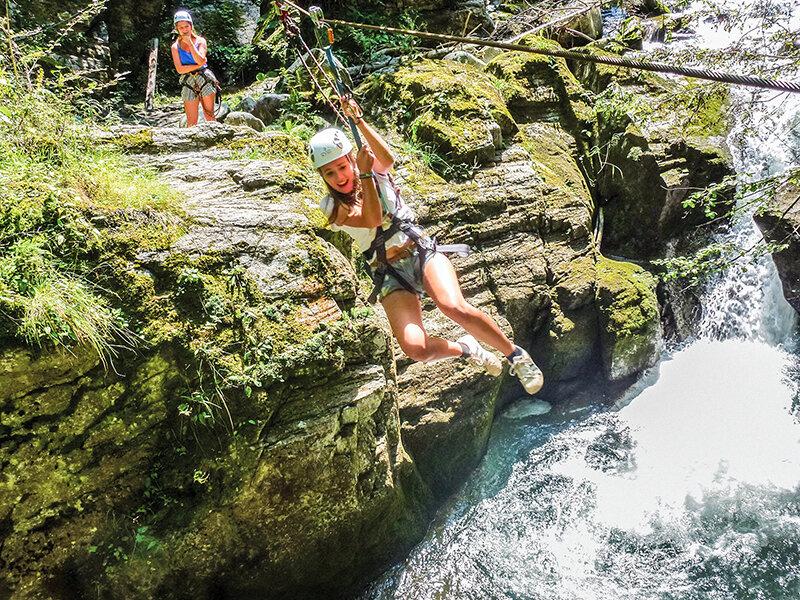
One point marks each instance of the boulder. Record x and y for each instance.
(465, 57)
(579, 25)
(246, 105)
(268, 107)
(646, 8)
(468, 14)
(454, 109)
(245, 119)
(780, 223)
(651, 152)
(265, 479)
(223, 110)
(631, 338)
(540, 88)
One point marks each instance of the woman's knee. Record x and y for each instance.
(417, 350)
(459, 311)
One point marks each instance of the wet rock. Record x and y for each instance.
(780, 223)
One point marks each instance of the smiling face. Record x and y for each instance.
(183, 27)
(339, 174)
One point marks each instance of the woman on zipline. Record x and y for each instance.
(198, 82)
(363, 201)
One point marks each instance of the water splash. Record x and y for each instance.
(691, 491)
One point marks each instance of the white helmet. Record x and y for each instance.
(328, 145)
(182, 15)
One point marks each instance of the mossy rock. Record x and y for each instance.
(651, 152)
(631, 33)
(541, 88)
(646, 8)
(136, 142)
(569, 347)
(452, 108)
(630, 324)
(596, 76)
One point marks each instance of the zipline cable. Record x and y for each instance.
(760, 82)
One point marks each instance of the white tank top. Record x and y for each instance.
(391, 203)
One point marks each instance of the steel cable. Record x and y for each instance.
(760, 82)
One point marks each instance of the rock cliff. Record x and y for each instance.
(267, 439)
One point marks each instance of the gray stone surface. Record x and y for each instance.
(246, 119)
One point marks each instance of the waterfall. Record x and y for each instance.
(688, 490)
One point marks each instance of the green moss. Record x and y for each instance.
(443, 105)
(705, 110)
(631, 33)
(571, 342)
(634, 307)
(272, 146)
(135, 143)
(538, 87)
(629, 317)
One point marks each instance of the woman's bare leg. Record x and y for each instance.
(191, 106)
(441, 284)
(208, 107)
(405, 317)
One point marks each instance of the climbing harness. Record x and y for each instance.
(199, 79)
(376, 253)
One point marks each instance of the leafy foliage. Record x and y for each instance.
(752, 197)
(362, 46)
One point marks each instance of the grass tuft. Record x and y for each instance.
(59, 191)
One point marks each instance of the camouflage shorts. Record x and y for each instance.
(411, 270)
(198, 84)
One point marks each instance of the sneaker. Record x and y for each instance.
(480, 357)
(529, 374)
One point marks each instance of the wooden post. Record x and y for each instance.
(151, 76)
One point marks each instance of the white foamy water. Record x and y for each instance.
(719, 417)
(694, 484)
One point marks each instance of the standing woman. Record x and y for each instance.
(363, 201)
(198, 82)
